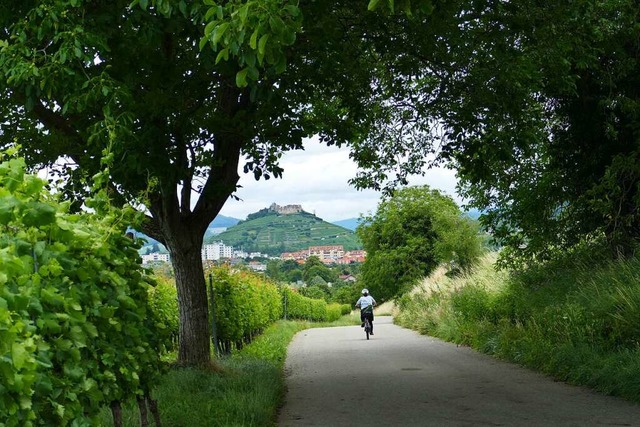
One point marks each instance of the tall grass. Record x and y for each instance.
(577, 320)
(246, 390)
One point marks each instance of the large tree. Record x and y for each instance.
(160, 100)
(544, 124)
(410, 234)
(537, 105)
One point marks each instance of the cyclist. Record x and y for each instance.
(366, 304)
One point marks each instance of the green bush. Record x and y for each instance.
(76, 328)
(300, 307)
(244, 304)
(336, 311)
(163, 300)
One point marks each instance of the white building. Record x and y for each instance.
(216, 251)
(240, 254)
(155, 257)
(257, 266)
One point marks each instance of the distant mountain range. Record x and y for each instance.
(222, 221)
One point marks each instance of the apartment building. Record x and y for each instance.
(327, 253)
(155, 257)
(216, 251)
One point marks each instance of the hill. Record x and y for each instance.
(222, 221)
(271, 232)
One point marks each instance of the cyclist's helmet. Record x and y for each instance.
(365, 292)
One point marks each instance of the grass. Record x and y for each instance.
(247, 391)
(576, 320)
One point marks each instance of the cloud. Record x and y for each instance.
(317, 178)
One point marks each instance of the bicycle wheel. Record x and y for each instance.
(367, 327)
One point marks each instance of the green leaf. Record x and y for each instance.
(144, 4)
(91, 330)
(373, 4)
(253, 73)
(19, 355)
(78, 336)
(210, 13)
(292, 9)
(7, 206)
(38, 248)
(223, 54)
(262, 43)
(203, 43)
(281, 65)
(219, 32)
(38, 214)
(241, 77)
(253, 41)
(182, 6)
(276, 24)
(243, 13)
(208, 29)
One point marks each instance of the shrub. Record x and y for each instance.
(163, 301)
(244, 304)
(298, 306)
(76, 329)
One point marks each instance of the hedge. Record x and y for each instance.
(244, 304)
(298, 306)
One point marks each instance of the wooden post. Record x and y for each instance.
(286, 291)
(214, 332)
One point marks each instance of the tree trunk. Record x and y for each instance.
(116, 411)
(194, 346)
(153, 407)
(144, 415)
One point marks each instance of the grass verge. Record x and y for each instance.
(576, 320)
(247, 391)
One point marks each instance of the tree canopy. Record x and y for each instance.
(537, 108)
(544, 125)
(159, 100)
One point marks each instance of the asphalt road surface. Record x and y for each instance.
(335, 377)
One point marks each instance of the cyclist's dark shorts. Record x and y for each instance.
(367, 314)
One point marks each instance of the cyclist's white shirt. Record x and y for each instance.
(365, 302)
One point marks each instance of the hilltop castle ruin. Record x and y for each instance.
(286, 210)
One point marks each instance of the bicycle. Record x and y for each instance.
(367, 327)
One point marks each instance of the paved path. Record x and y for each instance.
(335, 377)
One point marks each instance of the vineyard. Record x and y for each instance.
(83, 326)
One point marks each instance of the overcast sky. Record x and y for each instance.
(317, 178)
